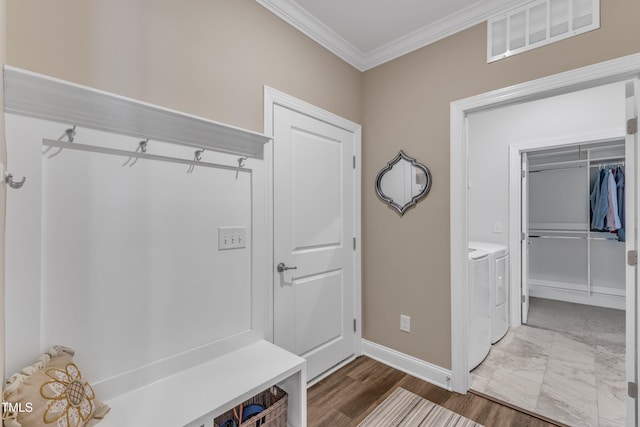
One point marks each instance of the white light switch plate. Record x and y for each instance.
(232, 237)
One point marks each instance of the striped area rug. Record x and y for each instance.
(405, 409)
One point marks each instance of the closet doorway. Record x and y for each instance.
(575, 233)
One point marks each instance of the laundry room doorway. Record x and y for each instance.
(567, 361)
(566, 112)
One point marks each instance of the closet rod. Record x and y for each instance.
(574, 237)
(555, 169)
(606, 164)
(139, 155)
(560, 237)
(566, 164)
(540, 231)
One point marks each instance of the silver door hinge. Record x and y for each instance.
(523, 174)
(632, 390)
(354, 243)
(523, 299)
(522, 236)
(632, 257)
(354, 325)
(632, 126)
(354, 162)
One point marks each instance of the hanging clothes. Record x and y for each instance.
(599, 201)
(613, 221)
(593, 199)
(619, 176)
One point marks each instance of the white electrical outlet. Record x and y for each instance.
(232, 237)
(497, 227)
(405, 323)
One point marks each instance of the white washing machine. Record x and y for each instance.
(499, 287)
(480, 307)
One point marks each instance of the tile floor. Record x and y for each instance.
(567, 364)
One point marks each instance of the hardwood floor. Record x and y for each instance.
(347, 396)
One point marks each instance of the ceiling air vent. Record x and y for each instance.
(539, 23)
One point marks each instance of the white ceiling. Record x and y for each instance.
(367, 33)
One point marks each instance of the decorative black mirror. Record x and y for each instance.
(403, 182)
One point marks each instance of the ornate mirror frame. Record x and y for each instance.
(401, 209)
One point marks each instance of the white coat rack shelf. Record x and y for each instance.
(43, 97)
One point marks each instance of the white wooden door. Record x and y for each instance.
(524, 238)
(314, 217)
(632, 210)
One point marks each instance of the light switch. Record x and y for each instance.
(232, 237)
(497, 227)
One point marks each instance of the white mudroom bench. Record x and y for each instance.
(195, 396)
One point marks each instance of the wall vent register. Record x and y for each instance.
(539, 23)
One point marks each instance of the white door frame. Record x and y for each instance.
(581, 78)
(521, 291)
(273, 97)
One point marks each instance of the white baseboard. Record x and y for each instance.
(408, 364)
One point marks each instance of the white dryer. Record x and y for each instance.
(499, 288)
(480, 307)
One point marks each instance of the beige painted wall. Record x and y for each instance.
(211, 58)
(205, 57)
(406, 106)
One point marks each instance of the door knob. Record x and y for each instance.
(281, 267)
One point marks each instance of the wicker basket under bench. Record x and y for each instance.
(274, 400)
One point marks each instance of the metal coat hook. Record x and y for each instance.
(197, 156)
(13, 184)
(70, 133)
(241, 164)
(142, 147)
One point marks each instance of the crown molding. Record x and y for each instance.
(311, 26)
(445, 27)
(292, 13)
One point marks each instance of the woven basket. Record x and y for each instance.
(274, 400)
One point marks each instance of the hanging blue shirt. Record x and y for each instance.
(599, 201)
(619, 176)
